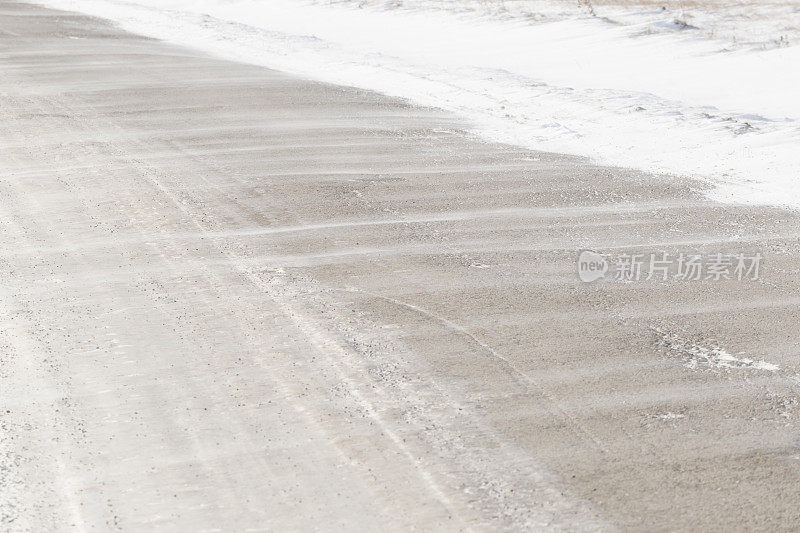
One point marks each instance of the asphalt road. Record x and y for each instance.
(235, 300)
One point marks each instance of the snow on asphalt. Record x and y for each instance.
(641, 90)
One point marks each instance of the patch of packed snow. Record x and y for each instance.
(629, 86)
(710, 357)
(670, 416)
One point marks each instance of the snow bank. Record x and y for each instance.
(637, 89)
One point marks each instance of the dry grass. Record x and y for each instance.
(760, 23)
(766, 23)
(721, 5)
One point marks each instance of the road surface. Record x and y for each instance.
(231, 299)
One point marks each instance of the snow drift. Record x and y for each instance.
(640, 89)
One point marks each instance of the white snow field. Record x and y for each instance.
(708, 91)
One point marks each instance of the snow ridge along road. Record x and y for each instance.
(639, 89)
(236, 299)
